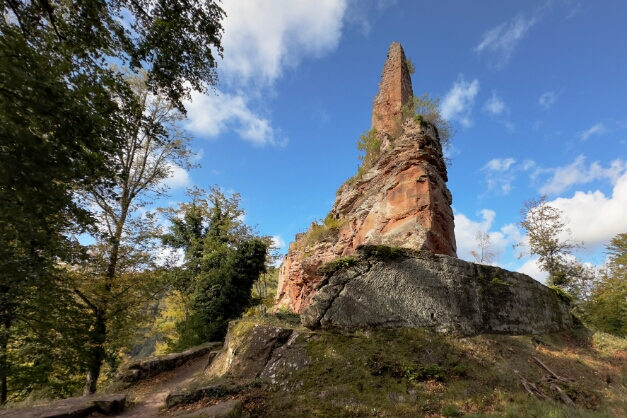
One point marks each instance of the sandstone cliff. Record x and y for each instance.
(399, 199)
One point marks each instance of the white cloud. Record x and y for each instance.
(198, 155)
(459, 101)
(261, 38)
(597, 129)
(466, 232)
(213, 115)
(278, 242)
(500, 174)
(179, 177)
(531, 268)
(494, 105)
(503, 39)
(499, 164)
(547, 99)
(594, 217)
(579, 173)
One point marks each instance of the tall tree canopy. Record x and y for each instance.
(62, 120)
(546, 227)
(222, 260)
(607, 308)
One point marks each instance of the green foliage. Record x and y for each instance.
(544, 225)
(63, 113)
(424, 110)
(328, 229)
(498, 281)
(417, 372)
(222, 292)
(337, 264)
(409, 65)
(264, 290)
(223, 259)
(607, 307)
(562, 293)
(382, 252)
(370, 144)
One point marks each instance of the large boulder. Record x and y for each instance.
(257, 350)
(383, 287)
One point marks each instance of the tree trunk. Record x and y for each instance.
(99, 335)
(97, 354)
(4, 367)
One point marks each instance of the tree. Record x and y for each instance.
(222, 259)
(485, 253)
(545, 227)
(60, 120)
(152, 144)
(607, 308)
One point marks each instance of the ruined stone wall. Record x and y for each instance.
(395, 90)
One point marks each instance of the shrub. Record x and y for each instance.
(409, 65)
(425, 109)
(337, 264)
(370, 144)
(562, 293)
(382, 252)
(329, 228)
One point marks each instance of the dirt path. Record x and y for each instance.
(154, 398)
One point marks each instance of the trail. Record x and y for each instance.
(149, 406)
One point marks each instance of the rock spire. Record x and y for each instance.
(400, 199)
(394, 91)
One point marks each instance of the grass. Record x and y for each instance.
(414, 372)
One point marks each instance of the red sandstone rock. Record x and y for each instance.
(401, 201)
(394, 91)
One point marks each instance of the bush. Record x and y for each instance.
(562, 293)
(409, 65)
(425, 109)
(329, 228)
(370, 144)
(337, 264)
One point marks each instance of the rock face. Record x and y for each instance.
(394, 91)
(401, 200)
(259, 351)
(419, 289)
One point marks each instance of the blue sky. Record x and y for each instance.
(537, 91)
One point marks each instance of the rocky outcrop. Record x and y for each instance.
(400, 199)
(255, 350)
(419, 289)
(150, 367)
